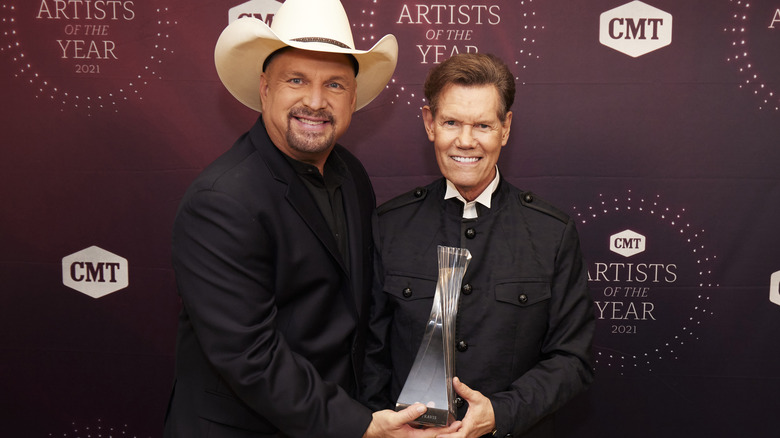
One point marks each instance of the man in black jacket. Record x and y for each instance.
(525, 320)
(272, 242)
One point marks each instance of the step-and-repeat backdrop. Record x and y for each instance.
(655, 124)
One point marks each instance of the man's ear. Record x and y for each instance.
(507, 125)
(263, 89)
(428, 121)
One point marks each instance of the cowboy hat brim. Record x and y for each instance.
(245, 43)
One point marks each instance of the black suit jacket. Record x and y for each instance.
(271, 334)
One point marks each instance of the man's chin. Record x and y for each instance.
(309, 142)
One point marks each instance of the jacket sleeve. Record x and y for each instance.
(566, 366)
(224, 263)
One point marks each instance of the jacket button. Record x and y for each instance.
(418, 192)
(523, 298)
(407, 292)
(466, 289)
(462, 346)
(470, 233)
(528, 197)
(459, 402)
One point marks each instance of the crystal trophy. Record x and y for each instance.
(430, 379)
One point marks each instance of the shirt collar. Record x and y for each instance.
(335, 169)
(484, 198)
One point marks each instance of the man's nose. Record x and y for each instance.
(315, 98)
(466, 137)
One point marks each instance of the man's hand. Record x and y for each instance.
(392, 424)
(479, 419)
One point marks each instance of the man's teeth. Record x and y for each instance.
(311, 122)
(466, 159)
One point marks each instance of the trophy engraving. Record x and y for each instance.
(430, 379)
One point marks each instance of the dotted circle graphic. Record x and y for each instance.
(744, 59)
(674, 221)
(54, 87)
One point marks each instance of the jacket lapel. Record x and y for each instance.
(301, 200)
(355, 230)
(303, 203)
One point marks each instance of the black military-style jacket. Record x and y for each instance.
(525, 319)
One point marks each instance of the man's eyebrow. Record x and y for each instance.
(336, 77)
(341, 78)
(443, 115)
(294, 73)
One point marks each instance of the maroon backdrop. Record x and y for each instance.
(656, 125)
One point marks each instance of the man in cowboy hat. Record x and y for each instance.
(272, 242)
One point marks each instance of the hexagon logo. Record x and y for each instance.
(95, 272)
(774, 288)
(263, 10)
(635, 28)
(627, 243)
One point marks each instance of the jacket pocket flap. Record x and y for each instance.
(405, 287)
(523, 293)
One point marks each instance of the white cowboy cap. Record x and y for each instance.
(318, 25)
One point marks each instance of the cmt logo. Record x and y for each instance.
(774, 288)
(95, 272)
(263, 10)
(635, 29)
(627, 243)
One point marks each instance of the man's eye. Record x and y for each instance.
(449, 123)
(296, 81)
(335, 85)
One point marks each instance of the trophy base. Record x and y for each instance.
(432, 417)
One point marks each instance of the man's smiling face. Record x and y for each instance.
(467, 135)
(308, 99)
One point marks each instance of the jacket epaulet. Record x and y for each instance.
(530, 200)
(407, 198)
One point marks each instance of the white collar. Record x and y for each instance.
(484, 198)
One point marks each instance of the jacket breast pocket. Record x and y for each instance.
(410, 299)
(523, 310)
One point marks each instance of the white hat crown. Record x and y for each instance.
(313, 21)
